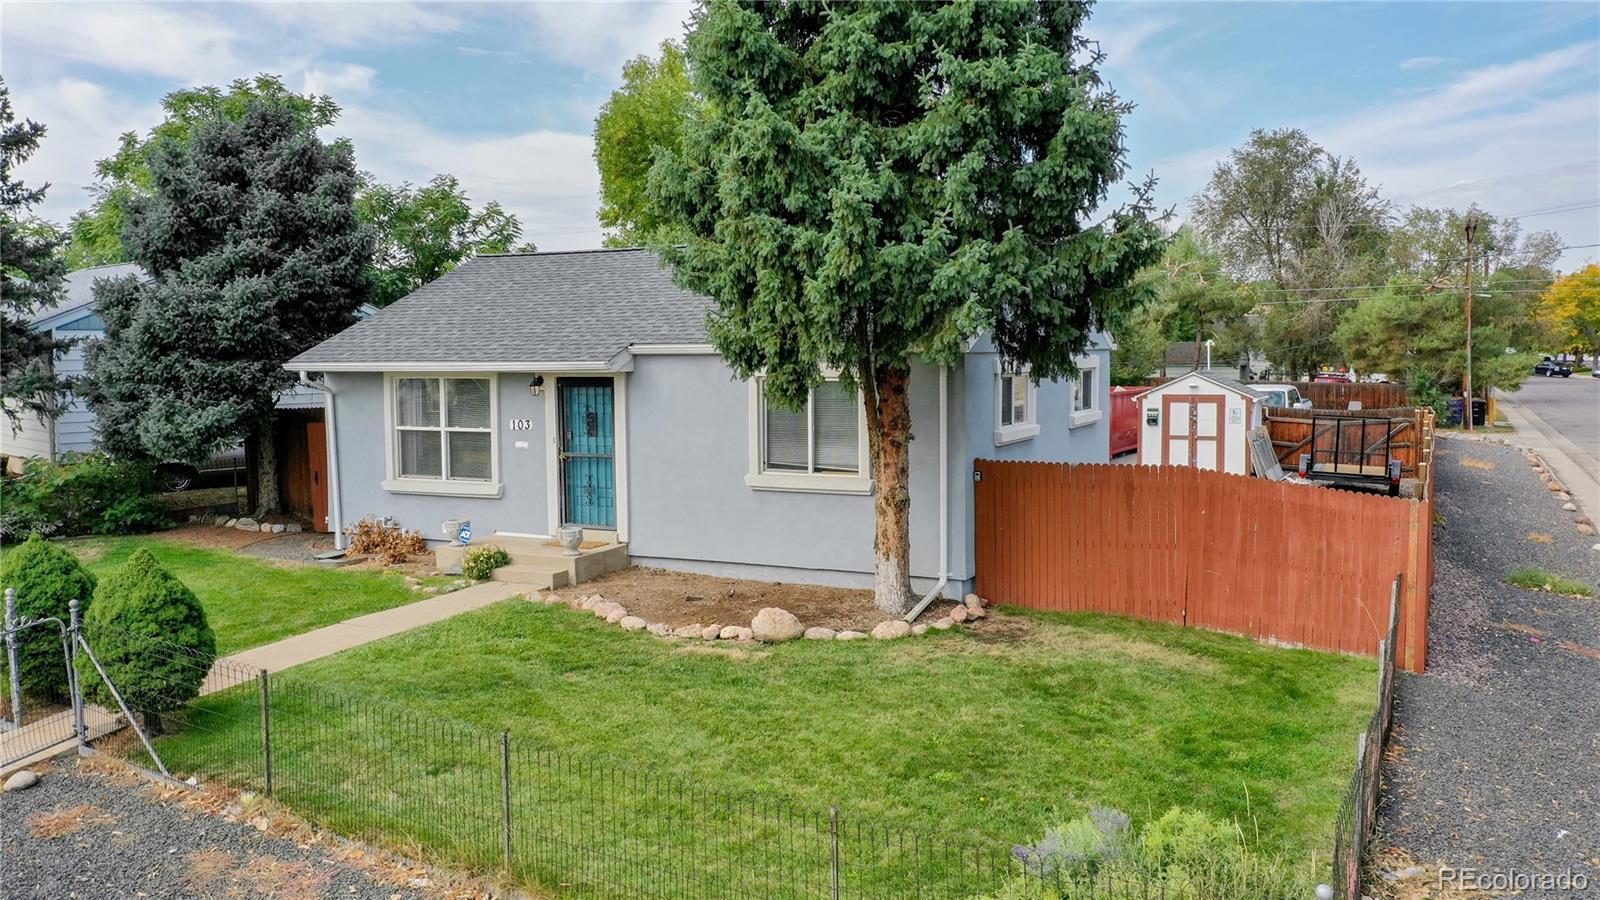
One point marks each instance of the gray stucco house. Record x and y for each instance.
(529, 391)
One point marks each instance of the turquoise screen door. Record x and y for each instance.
(588, 448)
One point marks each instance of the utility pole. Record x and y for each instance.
(1466, 377)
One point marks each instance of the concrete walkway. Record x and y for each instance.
(52, 734)
(331, 639)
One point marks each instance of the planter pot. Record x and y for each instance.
(570, 537)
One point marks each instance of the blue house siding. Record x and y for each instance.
(690, 507)
(362, 439)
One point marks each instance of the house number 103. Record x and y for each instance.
(520, 424)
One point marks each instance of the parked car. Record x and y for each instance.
(1282, 395)
(180, 476)
(1549, 368)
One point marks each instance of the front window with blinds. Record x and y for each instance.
(443, 428)
(822, 438)
(1083, 390)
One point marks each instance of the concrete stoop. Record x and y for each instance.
(536, 563)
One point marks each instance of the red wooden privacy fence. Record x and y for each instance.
(1297, 564)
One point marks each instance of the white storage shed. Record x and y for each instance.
(1198, 419)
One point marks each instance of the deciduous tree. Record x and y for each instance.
(423, 232)
(254, 253)
(1572, 306)
(641, 119)
(867, 184)
(32, 277)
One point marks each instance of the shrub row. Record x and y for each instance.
(87, 493)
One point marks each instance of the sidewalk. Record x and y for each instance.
(274, 657)
(1578, 471)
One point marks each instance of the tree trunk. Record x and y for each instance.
(267, 501)
(884, 391)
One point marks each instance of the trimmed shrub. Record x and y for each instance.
(150, 633)
(47, 577)
(85, 493)
(480, 562)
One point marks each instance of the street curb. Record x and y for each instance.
(1558, 451)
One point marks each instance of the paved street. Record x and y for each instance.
(1560, 419)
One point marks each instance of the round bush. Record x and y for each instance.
(1188, 839)
(149, 632)
(47, 578)
(480, 562)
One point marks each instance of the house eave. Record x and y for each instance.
(620, 363)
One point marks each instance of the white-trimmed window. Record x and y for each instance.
(1016, 404)
(442, 436)
(1086, 392)
(821, 447)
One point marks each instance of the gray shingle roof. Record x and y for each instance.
(80, 289)
(523, 308)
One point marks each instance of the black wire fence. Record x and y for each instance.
(1352, 833)
(565, 823)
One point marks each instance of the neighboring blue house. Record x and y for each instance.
(525, 392)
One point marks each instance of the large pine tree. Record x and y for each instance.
(869, 183)
(32, 276)
(254, 253)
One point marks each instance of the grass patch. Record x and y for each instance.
(972, 741)
(1534, 579)
(251, 601)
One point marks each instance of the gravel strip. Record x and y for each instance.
(302, 547)
(81, 834)
(1496, 758)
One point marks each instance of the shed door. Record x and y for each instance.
(1192, 435)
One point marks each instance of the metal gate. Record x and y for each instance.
(22, 738)
(588, 446)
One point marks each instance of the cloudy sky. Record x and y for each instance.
(1440, 103)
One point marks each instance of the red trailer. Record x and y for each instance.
(1124, 420)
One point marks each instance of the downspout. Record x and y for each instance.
(944, 496)
(331, 438)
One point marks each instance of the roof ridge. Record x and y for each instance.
(563, 252)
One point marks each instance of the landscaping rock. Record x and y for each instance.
(246, 524)
(1554, 486)
(576, 603)
(632, 623)
(773, 625)
(689, 631)
(660, 629)
(944, 624)
(972, 601)
(893, 628)
(744, 633)
(292, 528)
(920, 628)
(1563, 496)
(818, 633)
(848, 635)
(21, 781)
(605, 608)
(264, 528)
(590, 601)
(975, 613)
(1585, 529)
(1582, 520)
(279, 528)
(1569, 507)
(228, 524)
(616, 615)
(729, 632)
(711, 632)
(958, 614)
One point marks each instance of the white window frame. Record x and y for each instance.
(759, 479)
(1079, 417)
(443, 486)
(1029, 426)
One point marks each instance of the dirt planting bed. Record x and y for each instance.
(682, 598)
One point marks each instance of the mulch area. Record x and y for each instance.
(95, 828)
(682, 598)
(1494, 761)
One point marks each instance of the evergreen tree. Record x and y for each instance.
(32, 276)
(865, 184)
(254, 253)
(47, 578)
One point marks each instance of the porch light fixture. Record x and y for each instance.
(536, 386)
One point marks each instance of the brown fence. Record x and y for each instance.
(1337, 395)
(1291, 433)
(1298, 564)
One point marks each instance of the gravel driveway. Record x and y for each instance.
(79, 833)
(1496, 762)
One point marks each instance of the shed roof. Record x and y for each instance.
(572, 309)
(1231, 384)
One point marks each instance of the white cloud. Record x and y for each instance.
(350, 23)
(1421, 62)
(140, 38)
(339, 80)
(548, 178)
(83, 121)
(602, 36)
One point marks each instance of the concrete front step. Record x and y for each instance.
(535, 562)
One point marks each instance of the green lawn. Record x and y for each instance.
(969, 740)
(252, 601)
